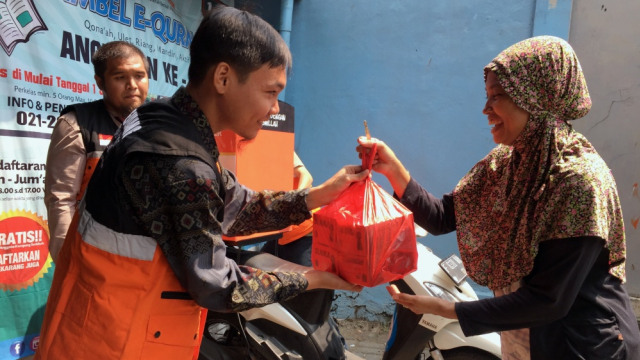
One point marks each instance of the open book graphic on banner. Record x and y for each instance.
(18, 20)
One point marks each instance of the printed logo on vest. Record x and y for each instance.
(104, 139)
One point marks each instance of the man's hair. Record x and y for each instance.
(243, 40)
(115, 50)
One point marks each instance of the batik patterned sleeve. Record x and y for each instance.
(248, 212)
(177, 202)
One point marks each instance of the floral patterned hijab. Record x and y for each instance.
(549, 184)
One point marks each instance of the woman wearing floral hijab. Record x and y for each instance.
(538, 220)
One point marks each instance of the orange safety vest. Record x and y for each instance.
(114, 296)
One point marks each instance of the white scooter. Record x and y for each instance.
(302, 328)
(299, 328)
(430, 336)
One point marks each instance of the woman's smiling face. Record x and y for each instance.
(506, 118)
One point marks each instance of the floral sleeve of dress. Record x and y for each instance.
(176, 201)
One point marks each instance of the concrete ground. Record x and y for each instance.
(365, 339)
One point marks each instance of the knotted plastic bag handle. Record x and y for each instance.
(367, 159)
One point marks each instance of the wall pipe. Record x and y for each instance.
(286, 16)
(552, 17)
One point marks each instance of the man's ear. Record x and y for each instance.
(221, 77)
(99, 82)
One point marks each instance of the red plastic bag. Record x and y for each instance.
(365, 236)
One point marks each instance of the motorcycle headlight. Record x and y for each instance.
(440, 292)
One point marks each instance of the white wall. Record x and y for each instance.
(605, 34)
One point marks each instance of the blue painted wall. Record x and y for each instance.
(413, 70)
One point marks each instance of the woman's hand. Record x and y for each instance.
(422, 304)
(332, 188)
(386, 163)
